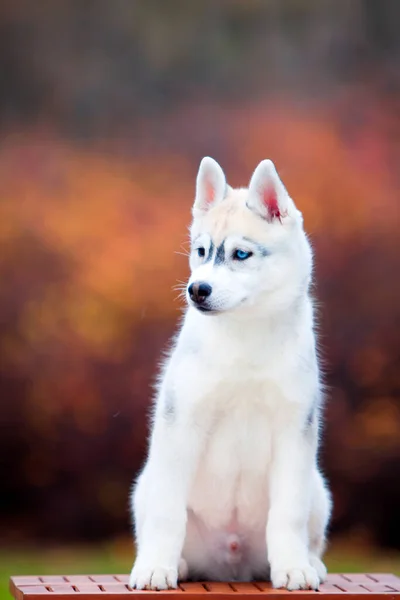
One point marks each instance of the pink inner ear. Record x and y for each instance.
(209, 191)
(271, 202)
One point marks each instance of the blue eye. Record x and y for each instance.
(201, 252)
(241, 255)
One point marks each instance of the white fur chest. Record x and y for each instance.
(230, 488)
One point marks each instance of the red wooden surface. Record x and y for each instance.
(56, 587)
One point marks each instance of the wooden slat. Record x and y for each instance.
(266, 587)
(65, 589)
(378, 587)
(85, 588)
(245, 588)
(192, 588)
(77, 579)
(337, 578)
(353, 588)
(26, 580)
(115, 588)
(331, 588)
(356, 578)
(33, 590)
(384, 577)
(103, 578)
(218, 587)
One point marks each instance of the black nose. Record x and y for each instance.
(199, 291)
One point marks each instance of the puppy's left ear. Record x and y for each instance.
(211, 185)
(267, 194)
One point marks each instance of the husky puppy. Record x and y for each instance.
(231, 488)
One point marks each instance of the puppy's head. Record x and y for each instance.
(248, 248)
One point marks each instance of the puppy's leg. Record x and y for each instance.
(290, 502)
(319, 517)
(199, 551)
(183, 570)
(160, 500)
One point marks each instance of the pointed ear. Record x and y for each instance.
(210, 185)
(267, 194)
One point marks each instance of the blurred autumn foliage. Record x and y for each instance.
(94, 209)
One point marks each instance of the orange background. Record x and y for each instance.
(106, 110)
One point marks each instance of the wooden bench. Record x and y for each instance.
(57, 587)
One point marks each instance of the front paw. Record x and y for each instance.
(153, 577)
(319, 567)
(295, 578)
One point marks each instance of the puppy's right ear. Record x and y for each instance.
(211, 185)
